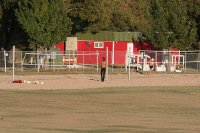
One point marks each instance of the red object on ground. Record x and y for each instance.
(17, 81)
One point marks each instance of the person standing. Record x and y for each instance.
(151, 65)
(103, 69)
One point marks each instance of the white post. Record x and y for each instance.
(69, 60)
(175, 62)
(54, 67)
(13, 77)
(113, 54)
(21, 62)
(198, 63)
(38, 65)
(5, 60)
(83, 60)
(179, 57)
(156, 59)
(97, 61)
(143, 61)
(106, 63)
(126, 61)
(185, 62)
(129, 57)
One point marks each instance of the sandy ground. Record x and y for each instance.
(84, 81)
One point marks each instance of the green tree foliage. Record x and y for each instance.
(1, 15)
(121, 18)
(45, 22)
(159, 29)
(194, 14)
(171, 25)
(8, 25)
(139, 10)
(165, 23)
(90, 15)
(183, 27)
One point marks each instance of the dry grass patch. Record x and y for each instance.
(112, 110)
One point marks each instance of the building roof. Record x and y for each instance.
(109, 36)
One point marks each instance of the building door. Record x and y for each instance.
(129, 52)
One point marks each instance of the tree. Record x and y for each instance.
(1, 15)
(194, 14)
(90, 15)
(45, 22)
(170, 25)
(158, 32)
(121, 18)
(139, 10)
(183, 27)
(8, 23)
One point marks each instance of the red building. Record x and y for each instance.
(89, 44)
(117, 50)
(89, 48)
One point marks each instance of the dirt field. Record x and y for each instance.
(84, 81)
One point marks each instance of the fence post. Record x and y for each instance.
(83, 60)
(129, 57)
(5, 60)
(54, 56)
(143, 61)
(13, 76)
(113, 54)
(97, 61)
(38, 65)
(22, 67)
(198, 63)
(107, 63)
(185, 62)
(126, 64)
(156, 59)
(69, 60)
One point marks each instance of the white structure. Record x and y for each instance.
(178, 62)
(140, 61)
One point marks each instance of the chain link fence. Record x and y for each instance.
(89, 61)
(175, 61)
(41, 61)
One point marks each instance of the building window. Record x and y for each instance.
(98, 44)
